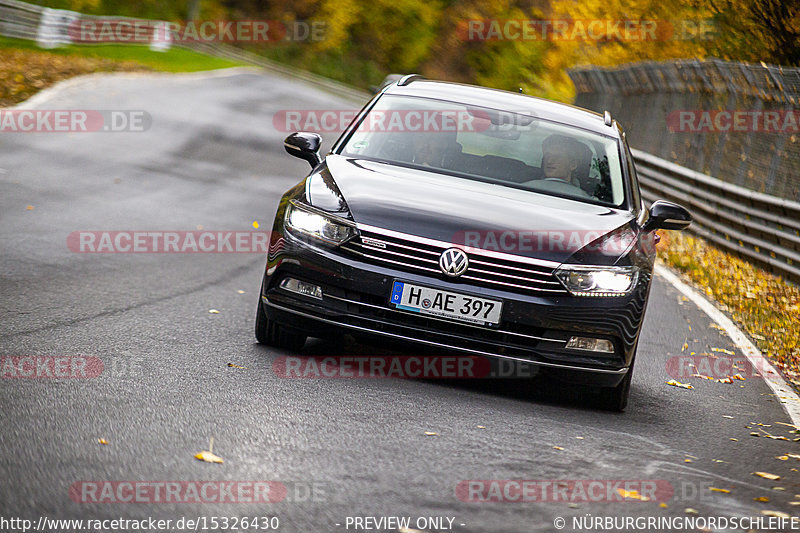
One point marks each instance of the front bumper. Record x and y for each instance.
(534, 329)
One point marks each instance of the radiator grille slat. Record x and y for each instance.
(422, 256)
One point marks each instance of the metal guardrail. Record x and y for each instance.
(761, 228)
(715, 76)
(663, 104)
(19, 20)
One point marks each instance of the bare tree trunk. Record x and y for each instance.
(194, 10)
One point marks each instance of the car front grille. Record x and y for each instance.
(487, 269)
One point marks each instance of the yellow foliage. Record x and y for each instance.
(27, 71)
(766, 305)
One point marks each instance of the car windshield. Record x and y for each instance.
(511, 148)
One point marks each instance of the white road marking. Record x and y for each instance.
(783, 391)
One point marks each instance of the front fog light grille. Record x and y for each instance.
(590, 344)
(301, 287)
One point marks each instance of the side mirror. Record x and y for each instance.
(666, 215)
(305, 146)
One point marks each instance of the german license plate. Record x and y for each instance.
(445, 304)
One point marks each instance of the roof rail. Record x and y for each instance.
(607, 118)
(408, 78)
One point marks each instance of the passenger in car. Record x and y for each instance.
(431, 149)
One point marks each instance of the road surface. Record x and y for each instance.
(341, 448)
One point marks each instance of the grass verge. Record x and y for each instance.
(26, 69)
(766, 306)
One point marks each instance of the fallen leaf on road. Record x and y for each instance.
(734, 440)
(632, 494)
(776, 514)
(102, 441)
(715, 489)
(794, 503)
(481, 427)
(557, 448)
(662, 505)
(236, 366)
(723, 350)
(727, 416)
(431, 434)
(782, 457)
(404, 529)
(679, 384)
(689, 510)
(208, 455)
(685, 346)
(213, 311)
(793, 456)
(725, 380)
(687, 460)
(763, 499)
(29, 207)
(240, 291)
(767, 475)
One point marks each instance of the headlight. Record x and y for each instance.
(586, 280)
(316, 224)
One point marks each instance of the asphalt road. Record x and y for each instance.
(342, 447)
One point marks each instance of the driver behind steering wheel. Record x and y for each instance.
(560, 160)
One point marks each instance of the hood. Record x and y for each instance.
(460, 211)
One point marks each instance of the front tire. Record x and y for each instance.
(616, 398)
(271, 333)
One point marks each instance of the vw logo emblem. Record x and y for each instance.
(453, 262)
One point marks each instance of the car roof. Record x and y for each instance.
(505, 100)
